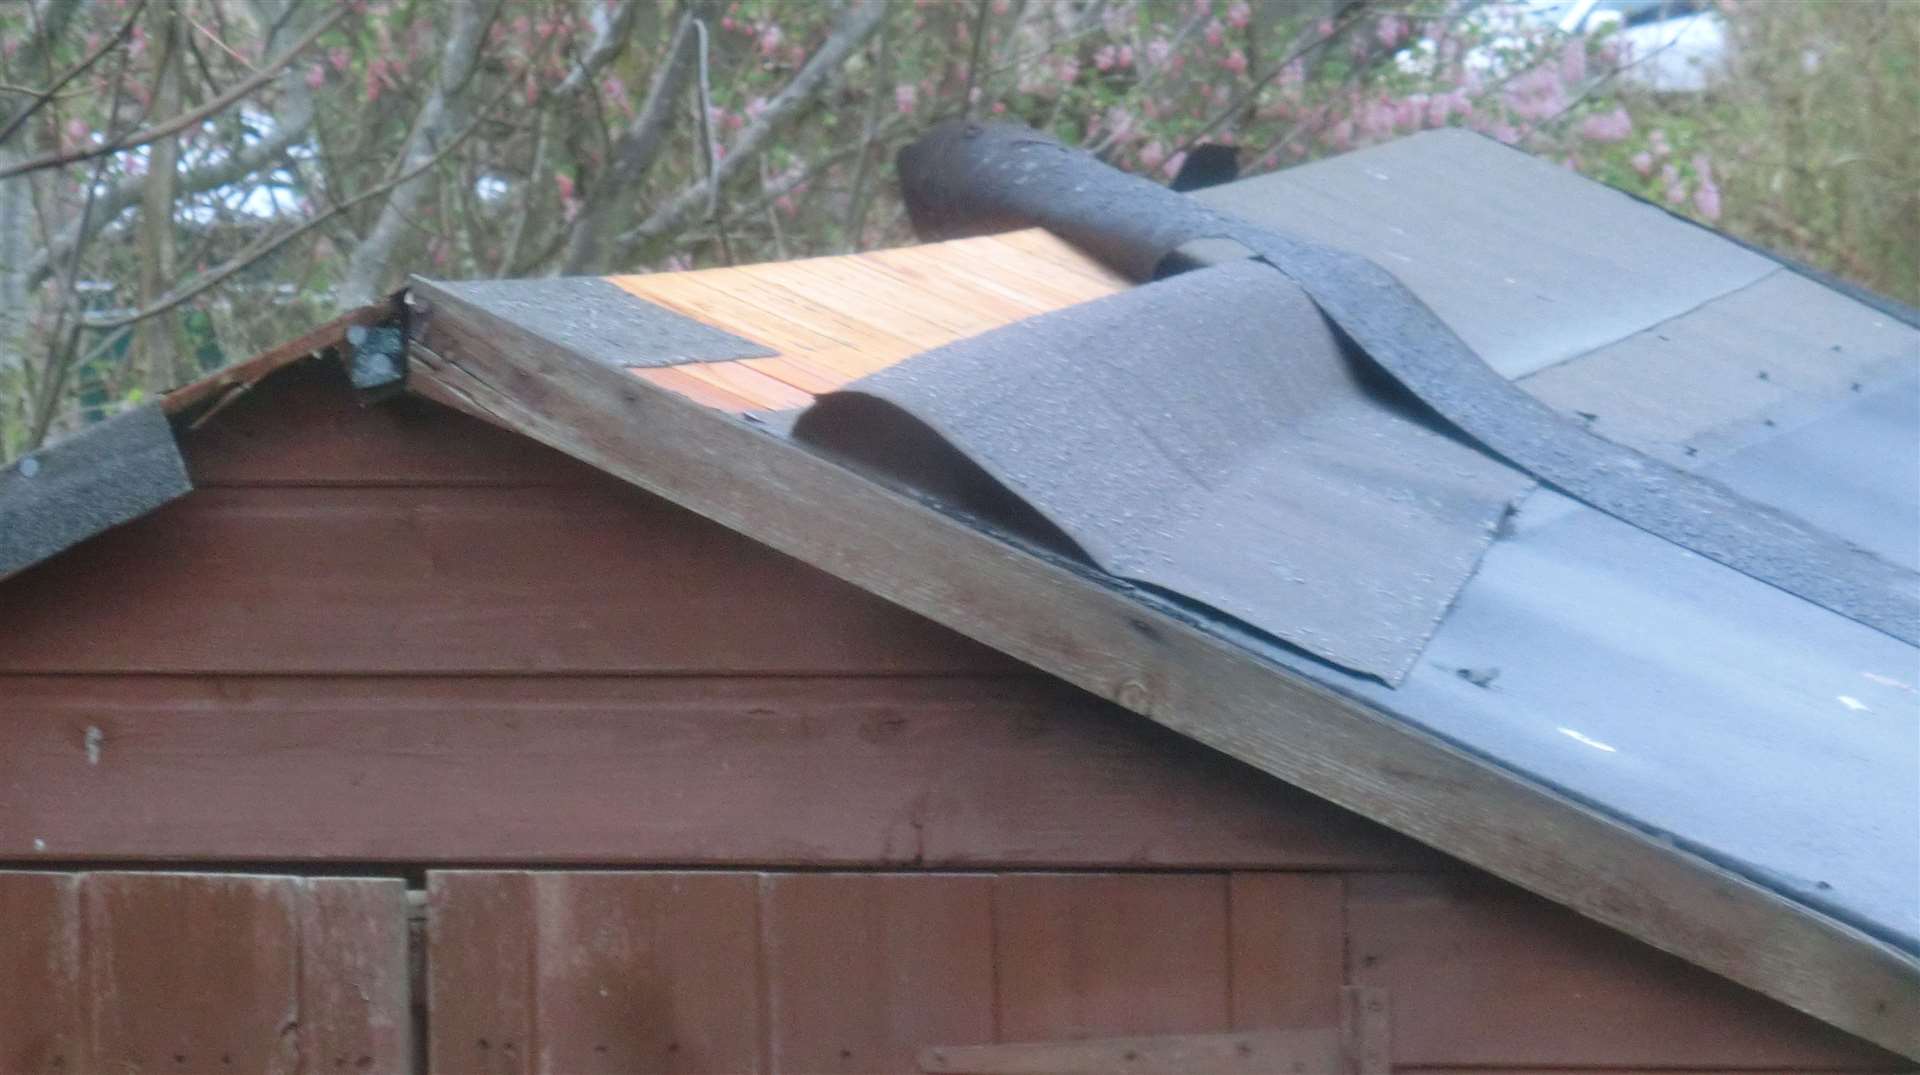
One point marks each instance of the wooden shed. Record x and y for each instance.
(405, 741)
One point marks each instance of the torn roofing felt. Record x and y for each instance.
(100, 477)
(596, 318)
(967, 178)
(1209, 435)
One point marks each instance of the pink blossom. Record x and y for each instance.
(1105, 58)
(1676, 192)
(904, 97)
(1703, 167)
(1067, 70)
(769, 39)
(1152, 154)
(1444, 106)
(564, 184)
(1340, 136)
(1235, 61)
(1391, 30)
(1377, 119)
(1158, 50)
(1001, 7)
(1707, 199)
(1657, 142)
(339, 57)
(1239, 14)
(615, 90)
(756, 106)
(727, 23)
(999, 108)
(1642, 163)
(1324, 28)
(1612, 126)
(1125, 58)
(1215, 33)
(1573, 61)
(1293, 74)
(1172, 167)
(316, 76)
(1537, 94)
(785, 204)
(1201, 7)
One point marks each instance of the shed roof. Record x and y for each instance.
(1583, 707)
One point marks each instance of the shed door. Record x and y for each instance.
(728, 971)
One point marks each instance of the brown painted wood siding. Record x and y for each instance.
(202, 973)
(396, 638)
(857, 972)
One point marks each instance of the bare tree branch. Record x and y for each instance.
(268, 244)
(708, 149)
(983, 8)
(860, 197)
(43, 96)
(639, 146)
(443, 110)
(858, 22)
(291, 121)
(155, 353)
(611, 33)
(185, 120)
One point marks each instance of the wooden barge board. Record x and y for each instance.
(1158, 664)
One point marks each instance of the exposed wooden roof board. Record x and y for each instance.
(837, 319)
(1157, 662)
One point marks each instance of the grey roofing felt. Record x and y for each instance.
(1758, 730)
(1754, 728)
(604, 323)
(1696, 702)
(1212, 436)
(966, 178)
(106, 474)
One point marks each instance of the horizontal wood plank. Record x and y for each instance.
(697, 771)
(303, 426)
(1481, 974)
(597, 578)
(1256, 1052)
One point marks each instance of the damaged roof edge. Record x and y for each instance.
(117, 470)
(1102, 639)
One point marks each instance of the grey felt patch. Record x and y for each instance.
(106, 474)
(965, 178)
(600, 321)
(1208, 435)
(1528, 262)
(1695, 386)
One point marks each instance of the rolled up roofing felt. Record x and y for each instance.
(965, 178)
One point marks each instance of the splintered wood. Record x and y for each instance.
(835, 320)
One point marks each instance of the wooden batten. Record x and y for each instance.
(1054, 617)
